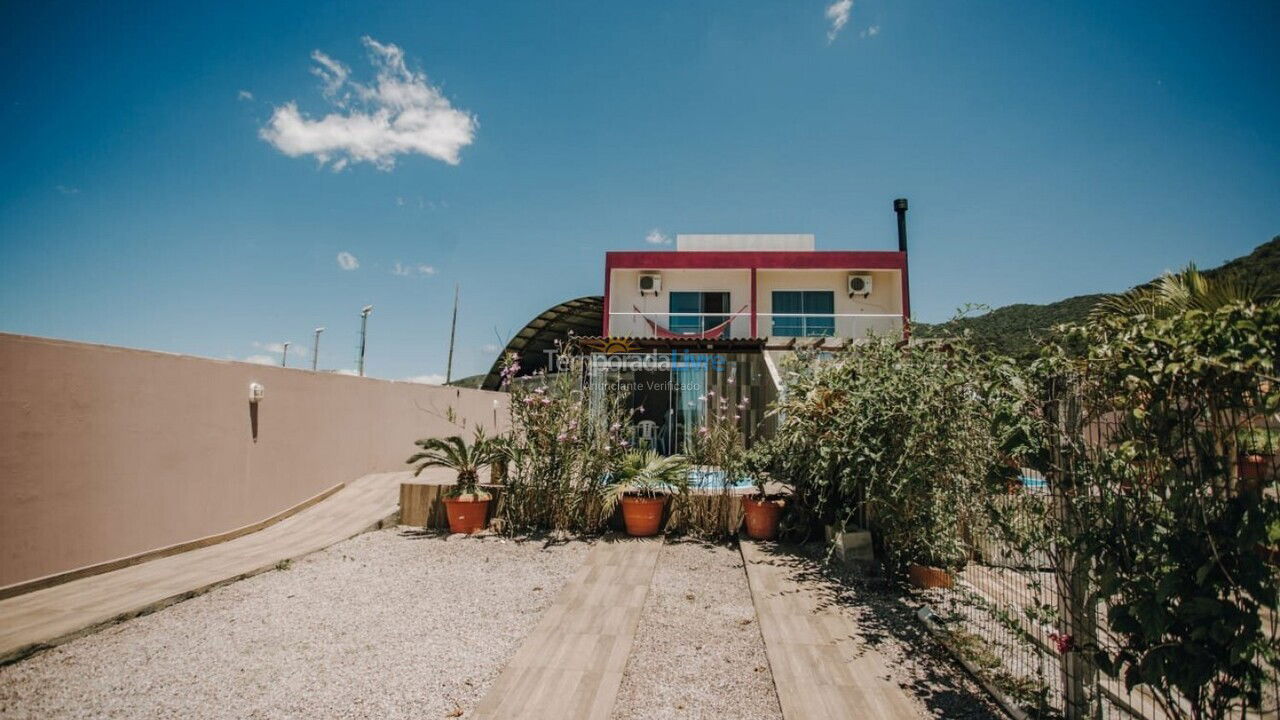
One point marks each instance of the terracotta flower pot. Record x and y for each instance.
(925, 577)
(642, 515)
(467, 515)
(1253, 467)
(762, 517)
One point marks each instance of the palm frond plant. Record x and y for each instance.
(641, 483)
(645, 473)
(454, 453)
(1188, 289)
(466, 505)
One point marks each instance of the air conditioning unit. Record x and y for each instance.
(650, 283)
(859, 284)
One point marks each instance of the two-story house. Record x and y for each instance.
(696, 333)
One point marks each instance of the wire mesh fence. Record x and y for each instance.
(1103, 577)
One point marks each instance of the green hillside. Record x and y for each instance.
(1014, 329)
(470, 381)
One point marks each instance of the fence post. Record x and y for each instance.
(1080, 692)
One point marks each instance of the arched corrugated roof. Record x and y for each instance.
(583, 316)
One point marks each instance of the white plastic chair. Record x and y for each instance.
(646, 433)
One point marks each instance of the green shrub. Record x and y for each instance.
(1172, 538)
(906, 439)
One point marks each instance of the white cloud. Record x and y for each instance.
(278, 347)
(346, 371)
(491, 348)
(400, 113)
(838, 14)
(244, 95)
(67, 189)
(273, 352)
(333, 73)
(429, 379)
(407, 270)
(656, 237)
(347, 261)
(872, 31)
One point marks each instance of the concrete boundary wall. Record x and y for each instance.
(108, 452)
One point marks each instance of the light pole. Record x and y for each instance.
(364, 322)
(284, 355)
(315, 349)
(453, 330)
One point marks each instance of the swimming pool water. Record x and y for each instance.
(714, 480)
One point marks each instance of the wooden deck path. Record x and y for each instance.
(53, 615)
(571, 666)
(820, 666)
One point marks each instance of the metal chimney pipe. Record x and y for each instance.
(900, 207)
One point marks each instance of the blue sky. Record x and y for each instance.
(162, 185)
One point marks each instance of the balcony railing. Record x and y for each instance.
(771, 325)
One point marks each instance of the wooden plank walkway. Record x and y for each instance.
(571, 666)
(820, 665)
(53, 615)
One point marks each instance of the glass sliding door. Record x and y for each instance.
(697, 312)
(686, 313)
(819, 309)
(788, 317)
(689, 400)
(804, 313)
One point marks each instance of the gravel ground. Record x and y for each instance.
(388, 624)
(698, 651)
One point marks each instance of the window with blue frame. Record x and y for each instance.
(804, 313)
(696, 312)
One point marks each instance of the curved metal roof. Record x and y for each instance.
(583, 316)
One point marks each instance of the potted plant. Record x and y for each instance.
(762, 510)
(937, 546)
(642, 483)
(466, 505)
(1257, 449)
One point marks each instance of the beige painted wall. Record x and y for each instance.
(885, 297)
(624, 296)
(107, 452)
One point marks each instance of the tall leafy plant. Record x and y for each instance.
(1177, 546)
(716, 451)
(901, 438)
(565, 440)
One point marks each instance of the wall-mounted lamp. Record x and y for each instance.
(256, 392)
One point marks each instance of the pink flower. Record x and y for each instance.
(1062, 642)
(624, 443)
(562, 437)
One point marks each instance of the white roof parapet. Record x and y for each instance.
(753, 243)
